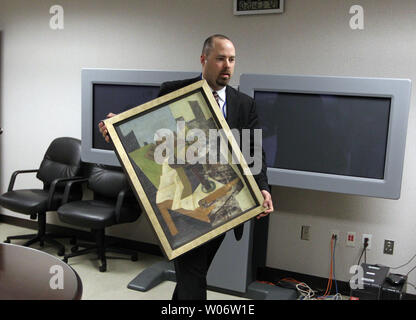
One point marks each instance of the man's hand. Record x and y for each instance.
(267, 203)
(103, 128)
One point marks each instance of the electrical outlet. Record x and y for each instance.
(388, 246)
(367, 236)
(335, 233)
(351, 239)
(305, 232)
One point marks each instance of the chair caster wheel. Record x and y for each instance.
(61, 252)
(74, 249)
(103, 268)
(65, 260)
(7, 241)
(134, 257)
(73, 241)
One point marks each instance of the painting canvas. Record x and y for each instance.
(191, 188)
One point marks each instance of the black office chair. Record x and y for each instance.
(62, 162)
(113, 203)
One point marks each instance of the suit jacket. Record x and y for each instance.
(241, 114)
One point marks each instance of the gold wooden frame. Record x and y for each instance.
(248, 184)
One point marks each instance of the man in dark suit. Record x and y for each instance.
(218, 61)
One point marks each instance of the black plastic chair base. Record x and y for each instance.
(94, 248)
(42, 236)
(34, 238)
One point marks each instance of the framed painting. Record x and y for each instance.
(242, 7)
(185, 168)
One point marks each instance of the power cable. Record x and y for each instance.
(404, 264)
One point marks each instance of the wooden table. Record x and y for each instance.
(30, 274)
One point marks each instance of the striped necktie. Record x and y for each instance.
(217, 97)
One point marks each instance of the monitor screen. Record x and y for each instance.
(111, 90)
(116, 98)
(334, 134)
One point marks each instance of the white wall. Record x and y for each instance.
(41, 96)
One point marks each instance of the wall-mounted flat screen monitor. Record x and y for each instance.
(337, 134)
(107, 90)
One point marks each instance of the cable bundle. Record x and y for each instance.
(306, 293)
(327, 293)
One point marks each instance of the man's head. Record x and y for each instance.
(218, 60)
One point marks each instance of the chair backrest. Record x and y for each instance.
(61, 160)
(106, 181)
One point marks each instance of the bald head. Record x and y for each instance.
(209, 43)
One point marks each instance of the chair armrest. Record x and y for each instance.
(68, 186)
(14, 175)
(120, 199)
(69, 182)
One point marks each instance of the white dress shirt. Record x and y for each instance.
(222, 101)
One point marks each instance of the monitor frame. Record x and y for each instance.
(89, 77)
(398, 90)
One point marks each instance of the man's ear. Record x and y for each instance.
(203, 59)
